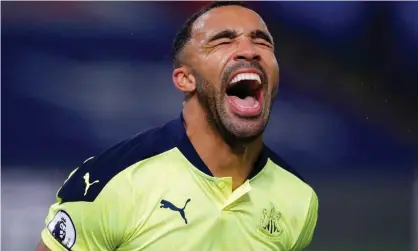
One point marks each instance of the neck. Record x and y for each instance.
(218, 156)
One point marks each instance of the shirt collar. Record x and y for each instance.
(187, 149)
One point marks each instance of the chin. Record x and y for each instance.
(244, 129)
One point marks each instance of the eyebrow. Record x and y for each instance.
(231, 34)
(262, 35)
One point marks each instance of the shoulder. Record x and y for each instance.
(280, 162)
(106, 166)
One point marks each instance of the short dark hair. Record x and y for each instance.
(185, 32)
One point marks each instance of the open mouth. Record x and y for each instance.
(244, 93)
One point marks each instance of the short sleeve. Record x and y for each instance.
(88, 214)
(305, 237)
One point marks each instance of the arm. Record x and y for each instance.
(307, 232)
(86, 217)
(42, 247)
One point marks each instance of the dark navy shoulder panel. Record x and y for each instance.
(116, 159)
(283, 164)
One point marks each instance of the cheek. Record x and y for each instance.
(210, 71)
(205, 87)
(274, 66)
(273, 72)
(215, 62)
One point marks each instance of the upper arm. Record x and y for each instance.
(305, 237)
(86, 220)
(42, 247)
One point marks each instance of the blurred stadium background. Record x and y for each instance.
(77, 77)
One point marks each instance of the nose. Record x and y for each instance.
(247, 52)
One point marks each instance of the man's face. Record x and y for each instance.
(232, 57)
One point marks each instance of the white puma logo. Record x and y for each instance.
(86, 178)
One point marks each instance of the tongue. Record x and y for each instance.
(247, 102)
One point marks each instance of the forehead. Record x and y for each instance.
(228, 17)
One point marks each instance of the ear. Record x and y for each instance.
(184, 80)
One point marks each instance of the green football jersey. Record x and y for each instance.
(153, 192)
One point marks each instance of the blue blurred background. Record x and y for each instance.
(77, 77)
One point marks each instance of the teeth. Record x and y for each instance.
(246, 76)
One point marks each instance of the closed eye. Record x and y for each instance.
(263, 43)
(224, 42)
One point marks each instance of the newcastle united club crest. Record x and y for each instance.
(269, 225)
